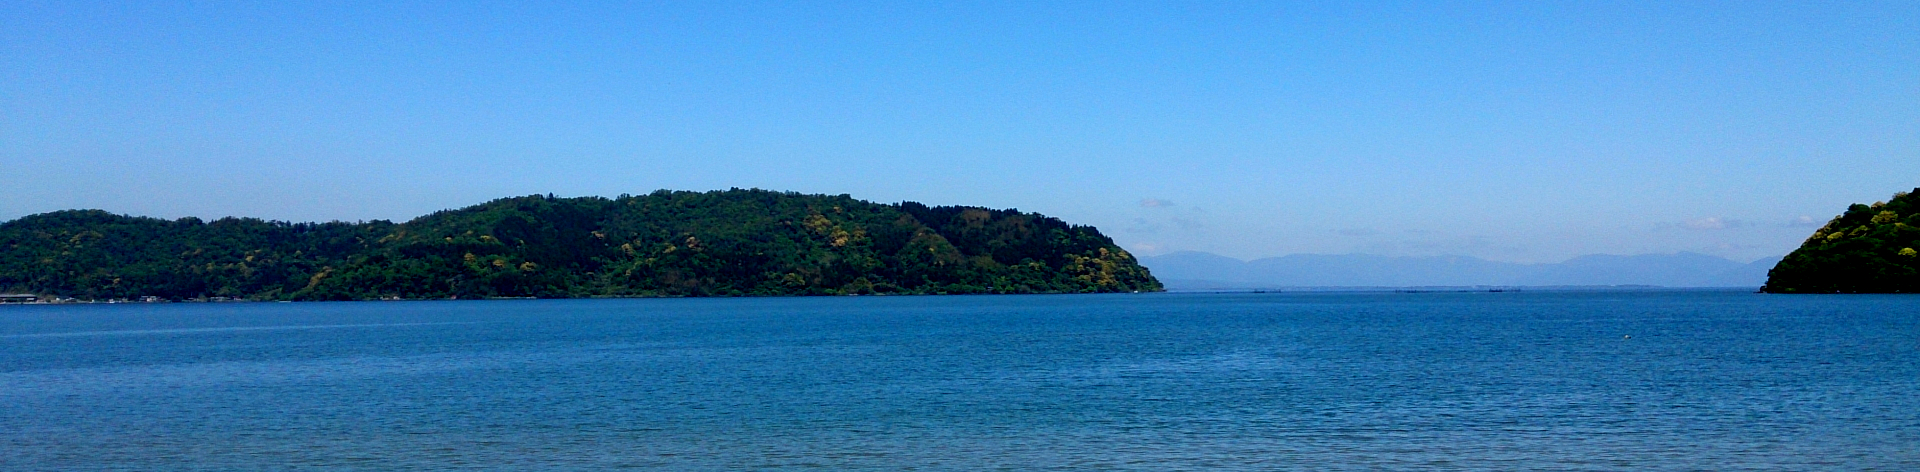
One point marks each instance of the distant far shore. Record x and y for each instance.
(1466, 289)
(18, 299)
(35, 300)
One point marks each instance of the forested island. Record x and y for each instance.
(667, 243)
(1868, 249)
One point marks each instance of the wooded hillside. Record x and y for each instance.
(1868, 249)
(667, 243)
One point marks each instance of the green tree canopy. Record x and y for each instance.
(666, 243)
(1868, 249)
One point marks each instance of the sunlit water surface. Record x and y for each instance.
(1358, 381)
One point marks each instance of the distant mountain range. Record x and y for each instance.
(1205, 271)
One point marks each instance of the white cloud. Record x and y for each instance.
(1155, 203)
(1713, 223)
(1804, 221)
(1141, 225)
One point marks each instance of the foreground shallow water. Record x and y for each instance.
(1662, 380)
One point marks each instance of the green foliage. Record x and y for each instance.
(722, 243)
(1868, 249)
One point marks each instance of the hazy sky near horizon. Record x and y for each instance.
(1513, 131)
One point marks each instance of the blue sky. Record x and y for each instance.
(1522, 131)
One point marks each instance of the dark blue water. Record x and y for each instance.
(1707, 381)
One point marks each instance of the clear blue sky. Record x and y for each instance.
(1523, 131)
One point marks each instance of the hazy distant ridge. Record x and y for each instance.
(1200, 270)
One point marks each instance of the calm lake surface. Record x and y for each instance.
(1313, 381)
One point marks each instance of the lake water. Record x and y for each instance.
(1677, 380)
